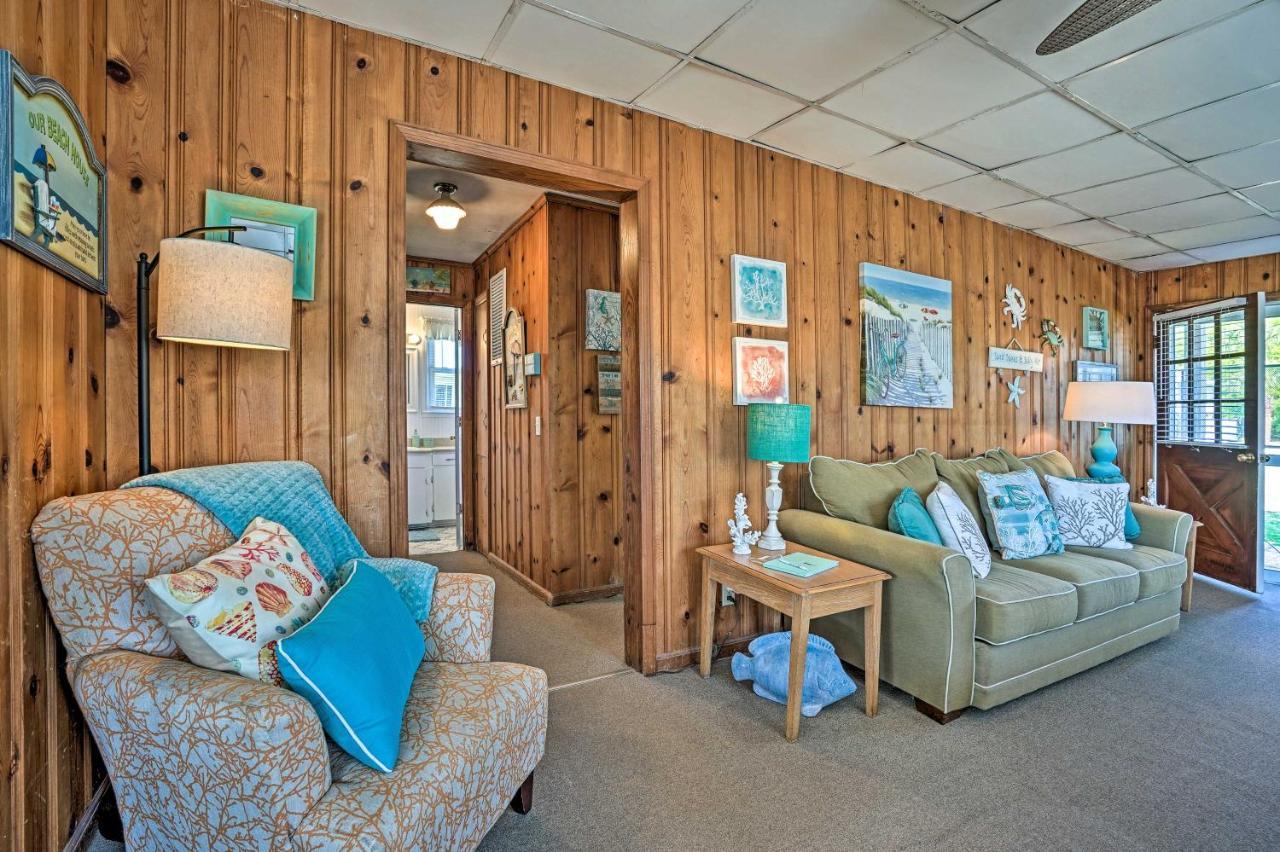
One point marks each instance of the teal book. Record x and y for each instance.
(800, 564)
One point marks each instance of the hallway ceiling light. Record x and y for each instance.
(444, 210)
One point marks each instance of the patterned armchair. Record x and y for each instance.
(202, 759)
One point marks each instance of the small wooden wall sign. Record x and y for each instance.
(609, 384)
(1015, 359)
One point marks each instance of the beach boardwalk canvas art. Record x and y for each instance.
(604, 320)
(906, 338)
(759, 291)
(760, 371)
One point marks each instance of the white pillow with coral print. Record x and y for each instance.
(958, 527)
(1090, 514)
(228, 611)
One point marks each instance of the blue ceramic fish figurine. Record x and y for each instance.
(825, 680)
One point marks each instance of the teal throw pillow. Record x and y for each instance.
(1018, 515)
(1132, 529)
(909, 517)
(355, 662)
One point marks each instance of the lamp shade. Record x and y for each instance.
(778, 432)
(221, 294)
(1111, 402)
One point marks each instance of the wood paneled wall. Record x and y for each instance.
(552, 508)
(52, 443)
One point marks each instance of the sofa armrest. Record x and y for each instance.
(460, 629)
(195, 754)
(1167, 529)
(928, 612)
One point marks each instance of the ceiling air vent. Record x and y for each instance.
(1091, 18)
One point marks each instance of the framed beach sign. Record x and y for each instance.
(53, 201)
(759, 291)
(287, 230)
(906, 338)
(1096, 371)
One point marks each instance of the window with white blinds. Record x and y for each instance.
(1201, 387)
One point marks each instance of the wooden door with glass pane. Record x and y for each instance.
(1208, 430)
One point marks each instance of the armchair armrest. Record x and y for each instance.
(460, 629)
(1167, 529)
(928, 611)
(195, 754)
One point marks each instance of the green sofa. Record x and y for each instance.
(955, 641)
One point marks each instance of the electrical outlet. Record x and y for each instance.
(727, 596)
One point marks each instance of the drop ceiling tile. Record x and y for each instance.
(1259, 164)
(1037, 213)
(1139, 193)
(1185, 214)
(549, 47)
(1168, 260)
(1227, 125)
(977, 193)
(464, 28)
(1018, 26)
(1039, 125)
(704, 98)
(943, 83)
(1267, 194)
(1223, 232)
(908, 168)
(1123, 249)
(812, 47)
(674, 23)
(825, 138)
(1245, 248)
(956, 10)
(1082, 233)
(1229, 57)
(1111, 158)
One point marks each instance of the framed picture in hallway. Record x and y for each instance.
(761, 371)
(906, 338)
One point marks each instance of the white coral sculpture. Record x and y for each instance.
(740, 532)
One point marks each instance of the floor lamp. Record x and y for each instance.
(213, 293)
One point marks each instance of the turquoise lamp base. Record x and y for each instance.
(1104, 452)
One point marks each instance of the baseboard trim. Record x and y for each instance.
(674, 661)
(541, 593)
(88, 818)
(554, 598)
(594, 593)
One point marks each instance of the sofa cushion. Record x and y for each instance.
(962, 475)
(1101, 584)
(862, 492)
(1158, 570)
(1050, 463)
(1013, 604)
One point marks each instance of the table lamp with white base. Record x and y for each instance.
(777, 433)
(1106, 403)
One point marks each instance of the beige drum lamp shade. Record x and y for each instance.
(221, 294)
(1110, 402)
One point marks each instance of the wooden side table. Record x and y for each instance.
(848, 586)
(1191, 566)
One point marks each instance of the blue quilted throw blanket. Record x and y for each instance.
(287, 492)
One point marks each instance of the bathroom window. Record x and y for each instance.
(442, 375)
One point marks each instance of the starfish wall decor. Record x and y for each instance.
(1016, 390)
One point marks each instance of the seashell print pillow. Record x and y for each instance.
(228, 611)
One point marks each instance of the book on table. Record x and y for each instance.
(800, 564)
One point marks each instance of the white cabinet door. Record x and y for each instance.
(419, 489)
(444, 487)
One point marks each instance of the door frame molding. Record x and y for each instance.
(642, 555)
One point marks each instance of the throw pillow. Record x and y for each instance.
(1132, 529)
(228, 611)
(958, 527)
(1019, 518)
(1090, 513)
(962, 475)
(909, 517)
(355, 662)
(862, 493)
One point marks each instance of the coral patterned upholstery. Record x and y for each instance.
(213, 760)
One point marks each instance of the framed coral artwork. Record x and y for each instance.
(759, 291)
(761, 370)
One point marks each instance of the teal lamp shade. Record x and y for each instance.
(778, 432)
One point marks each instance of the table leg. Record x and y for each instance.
(707, 619)
(1191, 568)
(795, 680)
(871, 646)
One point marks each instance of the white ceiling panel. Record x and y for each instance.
(1222, 232)
(1168, 260)
(825, 138)
(1259, 164)
(956, 10)
(1236, 122)
(908, 168)
(704, 98)
(1268, 195)
(1185, 214)
(1229, 57)
(571, 54)
(1124, 249)
(1082, 233)
(1017, 26)
(943, 83)
(465, 28)
(1103, 160)
(977, 193)
(1139, 193)
(1245, 248)
(1039, 125)
(675, 23)
(812, 47)
(1037, 213)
